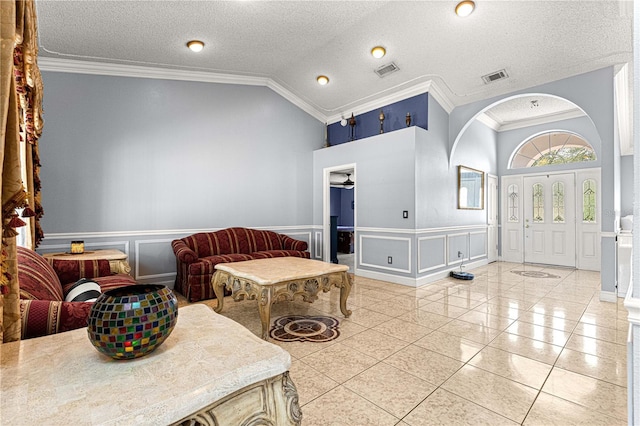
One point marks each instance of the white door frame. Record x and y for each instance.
(326, 209)
(493, 189)
(513, 232)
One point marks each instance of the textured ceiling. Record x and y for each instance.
(291, 42)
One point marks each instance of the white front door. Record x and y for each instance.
(549, 219)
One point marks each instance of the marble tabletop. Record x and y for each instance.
(280, 269)
(62, 379)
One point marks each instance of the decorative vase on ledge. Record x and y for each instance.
(131, 322)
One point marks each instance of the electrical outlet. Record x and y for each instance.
(405, 214)
(459, 253)
(389, 260)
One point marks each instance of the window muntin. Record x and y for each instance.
(538, 203)
(512, 203)
(558, 202)
(551, 148)
(589, 201)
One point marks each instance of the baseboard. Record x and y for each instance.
(608, 296)
(408, 281)
(417, 282)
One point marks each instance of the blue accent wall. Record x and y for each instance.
(368, 123)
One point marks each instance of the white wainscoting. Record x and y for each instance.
(362, 252)
(438, 244)
(152, 259)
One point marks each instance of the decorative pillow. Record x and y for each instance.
(83, 290)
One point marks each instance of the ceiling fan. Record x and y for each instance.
(347, 184)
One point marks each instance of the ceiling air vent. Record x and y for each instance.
(495, 76)
(385, 70)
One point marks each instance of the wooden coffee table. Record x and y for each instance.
(281, 278)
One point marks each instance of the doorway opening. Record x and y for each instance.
(339, 215)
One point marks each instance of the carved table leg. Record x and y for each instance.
(218, 282)
(345, 289)
(264, 307)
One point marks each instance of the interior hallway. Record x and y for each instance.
(520, 344)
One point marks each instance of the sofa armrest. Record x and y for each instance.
(289, 243)
(183, 253)
(72, 270)
(44, 317)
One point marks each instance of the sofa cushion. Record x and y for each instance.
(84, 290)
(232, 241)
(37, 279)
(206, 265)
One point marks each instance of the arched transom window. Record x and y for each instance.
(552, 148)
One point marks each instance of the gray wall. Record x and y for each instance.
(626, 185)
(593, 92)
(408, 170)
(132, 163)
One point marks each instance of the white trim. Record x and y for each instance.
(632, 304)
(466, 234)
(446, 273)
(444, 253)
(549, 118)
(608, 296)
(137, 275)
(408, 281)
(423, 230)
(110, 234)
(318, 245)
(486, 241)
(489, 122)
(608, 234)
(326, 206)
(136, 71)
(430, 87)
(408, 240)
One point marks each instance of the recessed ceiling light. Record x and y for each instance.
(464, 8)
(195, 45)
(322, 80)
(378, 52)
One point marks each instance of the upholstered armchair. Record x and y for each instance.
(44, 284)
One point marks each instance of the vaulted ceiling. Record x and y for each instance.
(287, 44)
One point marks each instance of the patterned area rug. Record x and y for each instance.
(535, 274)
(305, 328)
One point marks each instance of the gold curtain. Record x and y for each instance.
(21, 120)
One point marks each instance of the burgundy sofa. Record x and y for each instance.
(198, 254)
(44, 283)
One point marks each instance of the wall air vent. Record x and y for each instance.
(385, 70)
(495, 76)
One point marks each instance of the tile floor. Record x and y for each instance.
(502, 349)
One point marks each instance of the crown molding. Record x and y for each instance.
(489, 122)
(550, 118)
(119, 70)
(426, 87)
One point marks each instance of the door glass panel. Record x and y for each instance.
(589, 201)
(512, 192)
(538, 203)
(558, 202)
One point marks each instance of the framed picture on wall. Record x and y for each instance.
(470, 188)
